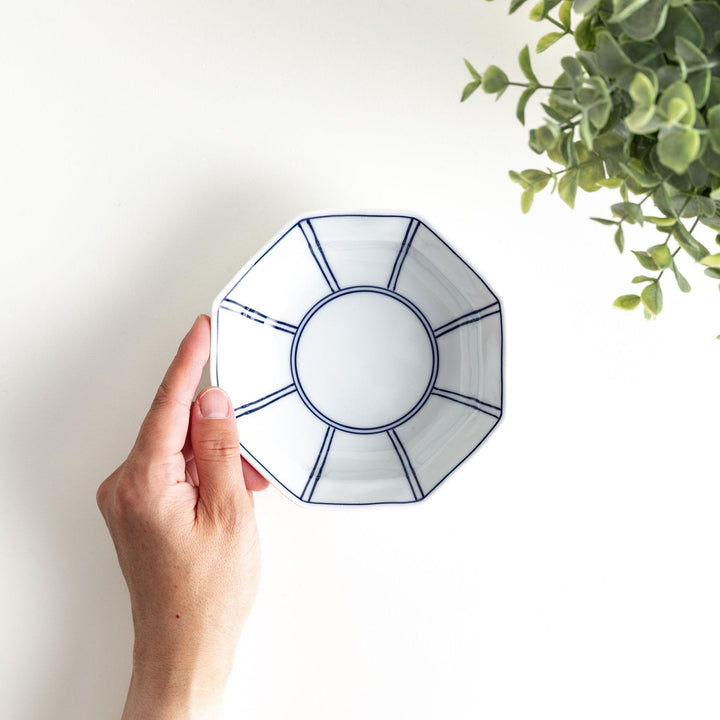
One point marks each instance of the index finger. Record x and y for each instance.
(165, 427)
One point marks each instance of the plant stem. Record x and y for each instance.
(557, 23)
(537, 86)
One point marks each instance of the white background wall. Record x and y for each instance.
(568, 570)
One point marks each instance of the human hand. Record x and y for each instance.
(180, 512)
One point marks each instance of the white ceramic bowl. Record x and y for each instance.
(363, 357)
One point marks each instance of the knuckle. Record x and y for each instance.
(162, 394)
(218, 447)
(101, 496)
(164, 398)
(130, 502)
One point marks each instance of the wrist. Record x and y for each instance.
(173, 693)
(176, 686)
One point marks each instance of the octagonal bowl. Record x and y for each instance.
(363, 357)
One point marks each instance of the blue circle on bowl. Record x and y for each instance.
(351, 428)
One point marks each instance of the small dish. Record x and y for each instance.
(363, 357)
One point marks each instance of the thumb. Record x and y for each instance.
(215, 444)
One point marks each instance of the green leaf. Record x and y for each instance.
(567, 187)
(642, 278)
(536, 13)
(604, 221)
(678, 91)
(591, 168)
(564, 13)
(625, 8)
(640, 19)
(611, 59)
(469, 89)
(628, 211)
(678, 147)
(473, 71)
(573, 69)
(668, 74)
(677, 109)
(612, 182)
(540, 139)
(681, 280)
(522, 102)
(642, 91)
(713, 117)
(595, 101)
(537, 179)
(568, 150)
(662, 200)
(698, 70)
(652, 297)
(585, 6)
(645, 260)
(547, 40)
(526, 199)
(586, 133)
(634, 169)
(712, 261)
(627, 302)
(526, 67)
(679, 22)
(661, 255)
(584, 36)
(713, 273)
(515, 4)
(644, 118)
(516, 177)
(494, 80)
(711, 222)
(707, 15)
(620, 238)
(662, 223)
(541, 10)
(695, 249)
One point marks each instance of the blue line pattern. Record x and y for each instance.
(318, 255)
(406, 465)
(296, 375)
(470, 401)
(257, 316)
(316, 472)
(467, 319)
(262, 402)
(412, 228)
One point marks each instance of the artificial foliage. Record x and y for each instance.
(635, 108)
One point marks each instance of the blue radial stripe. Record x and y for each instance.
(406, 465)
(257, 316)
(470, 401)
(412, 228)
(316, 472)
(318, 255)
(264, 401)
(472, 317)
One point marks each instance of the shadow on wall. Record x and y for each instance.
(77, 649)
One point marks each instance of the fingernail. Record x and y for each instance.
(213, 404)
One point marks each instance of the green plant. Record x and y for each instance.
(636, 108)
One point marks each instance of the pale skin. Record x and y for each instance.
(181, 514)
